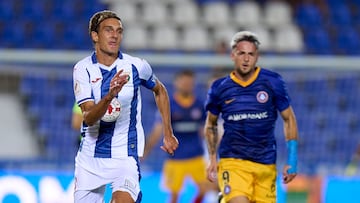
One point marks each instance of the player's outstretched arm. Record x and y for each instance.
(170, 142)
(291, 136)
(211, 137)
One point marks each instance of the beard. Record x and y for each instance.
(110, 52)
(245, 73)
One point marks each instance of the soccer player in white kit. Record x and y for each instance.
(107, 88)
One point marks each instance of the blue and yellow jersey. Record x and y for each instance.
(249, 110)
(187, 118)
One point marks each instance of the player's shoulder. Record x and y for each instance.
(137, 61)
(272, 78)
(83, 63)
(269, 73)
(218, 86)
(220, 81)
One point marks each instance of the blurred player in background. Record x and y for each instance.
(107, 88)
(187, 117)
(248, 100)
(77, 117)
(76, 121)
(352, 168)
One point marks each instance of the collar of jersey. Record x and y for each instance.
(184, 102)
(248, 82)
(94, 60)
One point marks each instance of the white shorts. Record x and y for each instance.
(93, 174)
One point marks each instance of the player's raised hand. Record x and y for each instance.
(117, 82)
(170, 144)
(288, 177)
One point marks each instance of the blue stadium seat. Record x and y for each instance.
(76, 36)
(44, 34)
(308, 15)
(347, 41)
(340, 14)
(37, 10)
(19, 36)
(347, 82)
(6, 10)
(318, 41)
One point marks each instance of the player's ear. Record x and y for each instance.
(232, 55)
(256, 55)
(94, 36)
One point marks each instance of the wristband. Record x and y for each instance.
(292, 156)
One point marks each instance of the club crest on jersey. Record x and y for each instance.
(262, 97)
(227, 189)
(195, 113)
(128, 75)
(113, 111)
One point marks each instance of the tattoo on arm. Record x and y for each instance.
(212, 139)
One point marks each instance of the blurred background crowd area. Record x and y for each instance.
(285, 27)
(325, 100)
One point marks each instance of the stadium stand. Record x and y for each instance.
(326, 106)
(247, 13)
(164, 38)
(216, 13)
(277, 13)
(331, 16)
(185, 13)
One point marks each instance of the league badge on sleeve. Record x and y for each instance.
(113, 111)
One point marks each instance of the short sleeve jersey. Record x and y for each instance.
(124, 136)
(249, 110)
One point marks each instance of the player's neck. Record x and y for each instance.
(105, 58)
(245, 76)
(184, 100)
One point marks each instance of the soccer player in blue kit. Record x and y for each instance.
(107, 88)
(248, 101)
(187, 118)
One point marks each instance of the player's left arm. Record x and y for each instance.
(211, 137)
(162, 102)
(291, 137)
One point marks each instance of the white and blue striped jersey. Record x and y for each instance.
(125, 136)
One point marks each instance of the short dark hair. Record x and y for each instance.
(185, 72)
(99, 17)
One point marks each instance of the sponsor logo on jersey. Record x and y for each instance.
(252, 116)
